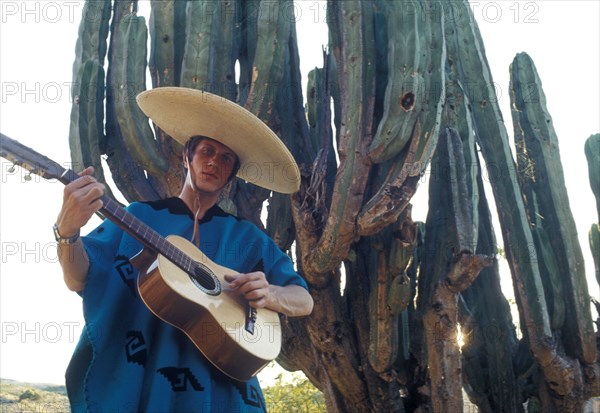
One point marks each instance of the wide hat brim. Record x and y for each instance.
(182, 113)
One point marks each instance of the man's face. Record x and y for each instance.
(212, 165)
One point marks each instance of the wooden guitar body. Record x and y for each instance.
(216, 324)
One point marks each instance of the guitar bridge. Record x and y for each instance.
(250, 318)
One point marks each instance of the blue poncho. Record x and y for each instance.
(127, 360)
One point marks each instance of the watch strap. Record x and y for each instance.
(63, 240)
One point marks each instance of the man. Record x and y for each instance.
(127, 359)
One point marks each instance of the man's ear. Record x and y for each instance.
(185, 159)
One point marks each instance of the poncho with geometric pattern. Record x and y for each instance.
(127, 360)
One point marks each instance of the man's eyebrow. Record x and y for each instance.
(226, 151)
(206, 145)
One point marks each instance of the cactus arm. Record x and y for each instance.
(130, 59)
(87, 129)
(226, 49)
(180, 16)
(127, 174)
(334, 86)
(196, 69)
(212, 43)
(91, 46)
(318, 114)
(439, 287)
(162, 43)
(457, 114)
(466, 131)
(549, 267)
(280, 226)
(490, 340)
(87, 121)
(394, 194)
(92, 34)
(354, 57)
(409, 165)
(539, 148)
(248, 35)
(462, 205)
(290, 102)
(390, 293)
(594, 238)
(457, 119)
(592, 154)
(167, 27)
(404, 94)
(294, 132)
(315, 109)
(493, 138)
(526, 169)
(83, 141)
(383, 325)
(167, 42)
(273, 31)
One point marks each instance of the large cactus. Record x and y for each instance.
(407, 80)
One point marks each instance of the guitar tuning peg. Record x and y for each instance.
(28, 177)
(12, 168)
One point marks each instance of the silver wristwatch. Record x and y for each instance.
(62, 240)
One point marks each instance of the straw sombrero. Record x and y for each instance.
(183, 113)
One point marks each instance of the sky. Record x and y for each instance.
(41, 320)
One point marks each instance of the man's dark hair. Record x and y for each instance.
(190, 147)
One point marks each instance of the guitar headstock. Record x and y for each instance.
(29, 159)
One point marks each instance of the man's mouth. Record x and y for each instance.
(210, 175)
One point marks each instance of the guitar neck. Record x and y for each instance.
(148, 237)
(38, 164)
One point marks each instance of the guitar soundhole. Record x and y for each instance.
(205, 279)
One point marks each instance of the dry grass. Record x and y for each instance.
(33, 398)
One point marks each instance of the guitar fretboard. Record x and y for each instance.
(152, 240)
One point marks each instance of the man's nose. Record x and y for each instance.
(213, 160)
(213, 163)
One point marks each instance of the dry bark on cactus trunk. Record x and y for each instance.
(441, 332)
(448, 268)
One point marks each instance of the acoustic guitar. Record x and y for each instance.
(181, 285)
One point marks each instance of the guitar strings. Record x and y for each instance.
(194, 269)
